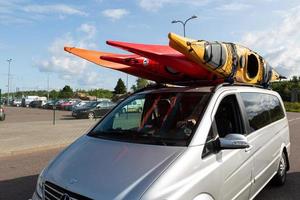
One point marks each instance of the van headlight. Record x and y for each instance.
(39, 186)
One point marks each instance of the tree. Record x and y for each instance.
(120, 87)
(100, 93)
(53, 94)
(141, 83)
(66, 92)
(133, 87)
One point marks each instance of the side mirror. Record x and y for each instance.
(234, 141)
(98, 106)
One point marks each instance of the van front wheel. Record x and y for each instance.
(280, 177)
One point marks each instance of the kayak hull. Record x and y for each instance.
(226, 60)
(95, 57)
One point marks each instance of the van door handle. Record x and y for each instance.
(249, 148)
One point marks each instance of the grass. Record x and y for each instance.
(292, 106)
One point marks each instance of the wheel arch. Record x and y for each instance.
(284, 150)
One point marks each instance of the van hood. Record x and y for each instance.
(104, 169)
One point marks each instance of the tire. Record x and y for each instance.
(280, 178)
(91, 115)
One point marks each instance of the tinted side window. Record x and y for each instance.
(228, 117)
(261, 109)
(276, 110)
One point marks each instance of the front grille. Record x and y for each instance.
(54, 192)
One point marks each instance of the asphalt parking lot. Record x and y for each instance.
(27, 130)
(19, 170)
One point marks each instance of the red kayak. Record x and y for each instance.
(167, 56)
(94, 56)
(148, 65)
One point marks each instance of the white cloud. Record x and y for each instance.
(90, 30)
(234, 7)
(115, 14)
(54, 8)
(280, 44)
(155, 5)
(68, 66)
(23, 12)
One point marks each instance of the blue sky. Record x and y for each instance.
(33, 34)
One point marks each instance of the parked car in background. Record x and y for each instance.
(134, 106)
(17, 102)
(2, 113)
(79, 104)
(37, 104)
(68, 104)
(93, 109)
(26, 100)
(58, 104)
(49, 104)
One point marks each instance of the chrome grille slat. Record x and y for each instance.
(47, 198)
(51, 194)
(60, 193)
(52, 191)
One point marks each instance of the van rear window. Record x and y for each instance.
(262, 109)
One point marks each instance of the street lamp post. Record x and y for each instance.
(8, 77)
(48, 86)
(184, 22)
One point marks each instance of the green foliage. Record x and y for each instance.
(284, 88)
(140, 83)
(292, 106)
(66, 92)
(53, 94)
(133, 88)
(100, 93)
(120, 87)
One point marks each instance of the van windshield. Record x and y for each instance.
(155, 118)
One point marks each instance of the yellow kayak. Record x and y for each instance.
(227, 60)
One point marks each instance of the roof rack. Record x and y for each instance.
(200, 83)
(238, 84)
(191, 83)
(152, 86)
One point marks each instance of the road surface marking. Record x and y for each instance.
(294, 119)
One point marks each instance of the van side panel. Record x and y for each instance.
(267, 129)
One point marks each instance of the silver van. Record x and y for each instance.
(189, 143)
